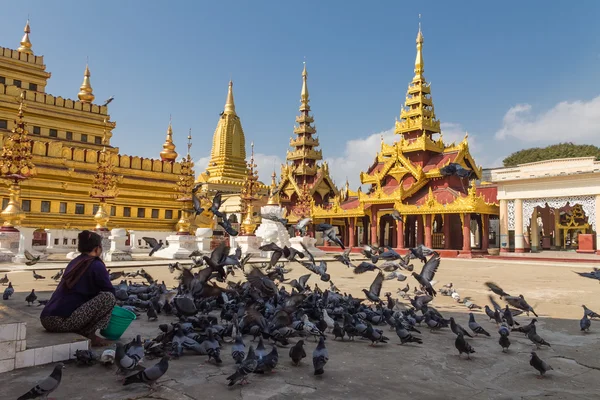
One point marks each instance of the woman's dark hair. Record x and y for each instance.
(87, 241)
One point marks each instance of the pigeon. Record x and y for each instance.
(196, 204)
(226, 225)
(238, 350)
(31, 297)
(58, 275)
(475, 327)
(31, 260)
(297, 352)
(396, 215)
(245, 367)
(463, 346)
(364, 267)
(216, 204)
(329, 234)
(504, 341)
(427, 273)
(536, 339)
(456, 328)
(47, 386)
(154, 244)
(525, 329)
(328, 320)
(375, 289)
(589, 312)
(85, 357)
(421, 252)
(268, 362)
(508, 317)
(338, 331)
(301, 226)
(126, 361)
(275, 218)
(4, 280)
(151, 313)
(107, 102)
(150, 375)
(320, 357)
(344, 258)
(585, 323)
(595, 274)
(8, 291)
(277, 253)
(405, 336)
(455, 169)
(496, 289)
(37, 276)
(539, 364)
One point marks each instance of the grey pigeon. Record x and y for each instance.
(4, 280)
(211, 347)
(268, 362)
(405, 336)
(297, 352)
(31, 297)
(456, 328)
(8, 291)
(246, 367)
(536, 339)
(539, 364)
(126, 362)
(475, 327)
(150, 375)
(504, 341)
(463, 346)
(585, 323)
(589, 312)
(45, 387)
(238, 350)
(320, 357)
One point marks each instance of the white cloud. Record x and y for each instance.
(358, 155)
(567, 121)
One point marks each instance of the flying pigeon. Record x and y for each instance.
(154, 244)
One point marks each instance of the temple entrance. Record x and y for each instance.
(557, 228)
(40, 238)
(387, 231)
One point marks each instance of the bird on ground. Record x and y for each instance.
(320, 357)
(31, 259)
(302, 225)
(589, 312)
(58, 275)
(4, 280)
(238, 350)
(536, 339)
(125, 361)
(151, 313)
(525, 328)
(154, 244)
(297, 352)
(585, 323)
(475, 327)
(150, 375)
(405, 336)
(456, 328)
(107, 102)
(508, 317)
(338, 331)
(45, 387)
(9, 291)
(539, 364)
(246, 367)
(504, 341)
(37, 276)
(463, 346)
(31, 297)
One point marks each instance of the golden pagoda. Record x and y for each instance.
(168, 152)
(407, 177)
(302, 173)
(68, 137)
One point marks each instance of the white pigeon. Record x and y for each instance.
(328, 320)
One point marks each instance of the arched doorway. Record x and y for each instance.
(40, 238)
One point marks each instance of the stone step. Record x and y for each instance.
(24, 342)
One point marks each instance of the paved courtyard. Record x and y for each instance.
(387, 371)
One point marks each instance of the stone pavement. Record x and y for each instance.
(388, 371)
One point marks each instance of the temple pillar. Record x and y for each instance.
(466, 236)
(400, 234)
(374, 225)
(351, 229)
(519, 239)
(446, 229)
(49, 240)
(504, 242)
(535, 230)
(420, 231)
(365, 231)
(557, 243)
(598, 224)
(485, 235)
(427, 230)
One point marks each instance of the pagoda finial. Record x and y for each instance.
(304, 99)
(168, 153)
(85, 90)
(419, 64)
(229, 104)
(25, 42)
(189, 143)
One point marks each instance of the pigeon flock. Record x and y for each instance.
(200, 317)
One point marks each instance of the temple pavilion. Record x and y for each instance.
(441, 212)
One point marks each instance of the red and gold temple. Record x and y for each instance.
(436, 210)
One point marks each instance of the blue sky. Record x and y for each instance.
(513, 74)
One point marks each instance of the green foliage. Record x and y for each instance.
(561, 150)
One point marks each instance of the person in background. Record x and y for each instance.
(83, 301)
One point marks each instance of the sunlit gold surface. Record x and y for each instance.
(25, 42)
(101, 217)
(86, 94)
(12, 214)
(168, 153)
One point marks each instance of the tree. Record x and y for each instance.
(561, 150)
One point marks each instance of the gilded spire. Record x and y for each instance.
(229, 104)
(25, 42)
(304, 94)
(419, 64)
(168, 153)
(85, 90)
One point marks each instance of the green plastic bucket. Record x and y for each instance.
(120, 320)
